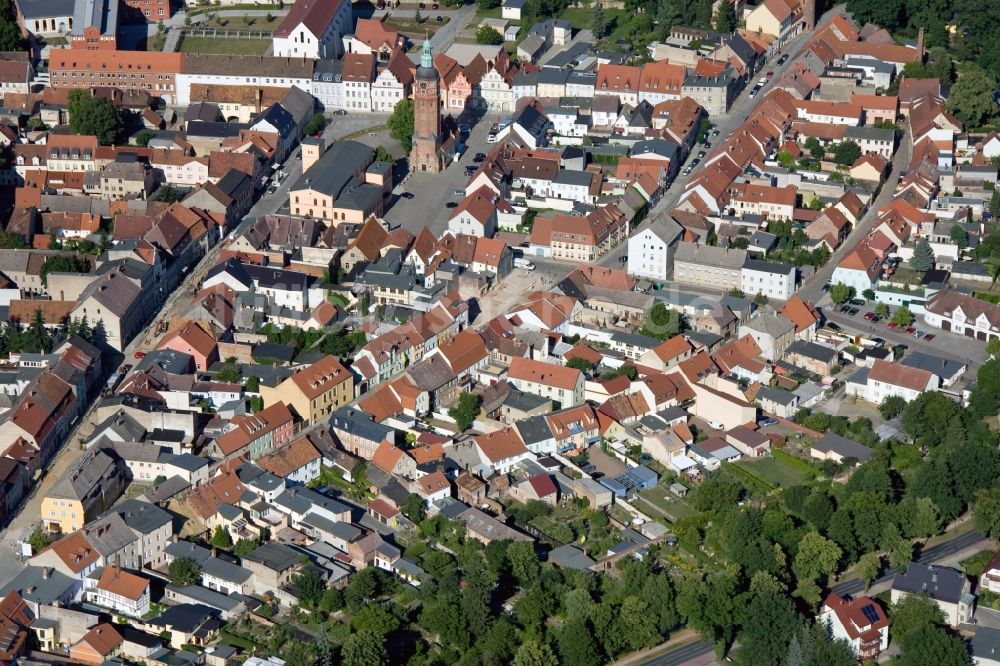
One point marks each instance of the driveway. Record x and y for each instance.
(605, 464)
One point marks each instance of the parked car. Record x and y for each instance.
(844, 309)
(909, 330)
(928, 337)
(438, 18)
(833, 326)
(919, 334)
(869, 316)
(853, 311)
(140, 355)
(768, 422)
(464, 128)
(893, 324)
(769, 74)
(696, 161)
(406, 195)
(451, 204)
(860, 302)
(701, 154)
(458, 193)
(783, 59)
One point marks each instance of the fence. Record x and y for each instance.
(226, 33)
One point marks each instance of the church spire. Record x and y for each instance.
(426, 56)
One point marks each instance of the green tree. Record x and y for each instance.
(993, 346)
(96, 116)
(815, 148)
(523, 562)
(812, 646)
(988, 377)
(933, 645)
(841, 293)
(912, 613)
(413, 508)
(534, 653)
(971, 97)
(637, 625)
(12, 241)
(228, 374)
(902, 316)
(923, 258)
(143, 138)
(363, 648)
(959, 236)
(892, 406)
(374, 618)
(38, 539)
(308, 587)
(599, 23)
(940, 65)
(314, 124)
(183, 571)
(466, 410)
(662, 323)
(244, 547)
(716, 492)
(868, 567)
(488, 36)
(986, 511)
(63, 263)
(489, 4)
(846, 152)
(769, 622)
(995, 204)
(221, 538)
(817, 557)
(382, 155)
(869, 294)
(400, 124)
(882, 310)
(581, 364)
(577, 646)
(725, 18)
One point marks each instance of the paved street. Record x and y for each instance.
(727, 124)
(945, 344)
(179, 301)
(812, 289)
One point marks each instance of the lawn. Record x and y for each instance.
(427, 26)
(582, 18)
(661, 498)
(774, 471)
(224, 46)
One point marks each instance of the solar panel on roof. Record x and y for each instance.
(870, 613)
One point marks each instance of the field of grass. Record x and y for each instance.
(661, 498)
(774, 471)
(582, 18)
(408, 25)
(224, 46)
(242, 22)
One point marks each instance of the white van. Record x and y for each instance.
(523, 263)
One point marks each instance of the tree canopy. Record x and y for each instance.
(95, 116)
(400, 124)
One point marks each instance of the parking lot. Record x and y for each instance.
(432, 192)
(918, 336)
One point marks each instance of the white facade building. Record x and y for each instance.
(771, 279)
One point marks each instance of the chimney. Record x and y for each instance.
(920, 42)
(46, 572)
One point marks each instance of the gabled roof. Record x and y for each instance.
(500, 445)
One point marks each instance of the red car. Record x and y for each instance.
(929, 337)
(892, 324)
(909, 330)
(140, 355)
(769, 74)
(869, 316)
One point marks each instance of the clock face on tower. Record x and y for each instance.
(423, 86)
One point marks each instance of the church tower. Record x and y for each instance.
(426, 153)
